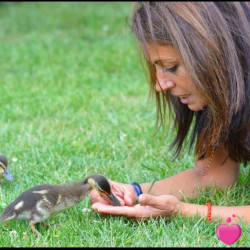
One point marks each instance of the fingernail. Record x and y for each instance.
(142, 199)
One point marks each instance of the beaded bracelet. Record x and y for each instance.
(137, 188)
(209, 211)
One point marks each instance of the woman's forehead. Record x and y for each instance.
(166, 52)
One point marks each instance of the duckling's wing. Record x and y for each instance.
(25, 205)
(54, 200)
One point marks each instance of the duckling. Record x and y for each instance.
(41, 202)
(4, 168)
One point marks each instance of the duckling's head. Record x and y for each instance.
(101, 184)
(3, 168)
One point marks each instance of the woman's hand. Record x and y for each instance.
(125, 193)
(150, 206)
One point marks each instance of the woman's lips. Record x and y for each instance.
(185, 99)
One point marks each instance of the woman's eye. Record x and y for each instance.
(172, 70)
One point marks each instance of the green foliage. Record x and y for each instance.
(74, 102)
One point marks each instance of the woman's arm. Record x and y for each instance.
(168, 205)
(222, 171)
(217, 213)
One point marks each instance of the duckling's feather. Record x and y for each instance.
(44, 201)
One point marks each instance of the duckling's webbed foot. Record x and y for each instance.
(34, 230)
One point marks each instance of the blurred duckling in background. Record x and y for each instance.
(4, 168)
(44, 201)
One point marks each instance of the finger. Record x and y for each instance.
(119, 198)
(96, 196)
(126, 194)
(128, 197)
(148, 200)
(123, 211)
(116, 189)
(135, 212)
(97, 205)
(119, 192)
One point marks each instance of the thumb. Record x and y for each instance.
(147, 199)
(128, 199)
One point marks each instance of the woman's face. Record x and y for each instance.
(171, 75)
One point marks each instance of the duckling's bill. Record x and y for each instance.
(114, 200)
(8, 175)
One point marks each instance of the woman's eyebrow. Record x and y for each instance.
(160, 61)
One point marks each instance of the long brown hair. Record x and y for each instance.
(213, 40)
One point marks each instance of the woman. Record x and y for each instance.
(197, 56)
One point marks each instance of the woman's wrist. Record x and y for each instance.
(145, 187)
(137, 188)
(180, 208)
(137, 191)
(190, 210)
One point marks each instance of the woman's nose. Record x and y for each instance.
(163, 85)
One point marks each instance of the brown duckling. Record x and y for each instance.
(44, 201)
(4, 168)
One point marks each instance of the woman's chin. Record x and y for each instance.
(195, 107)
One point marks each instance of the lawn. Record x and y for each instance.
(74, 101)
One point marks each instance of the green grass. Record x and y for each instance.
(74, 102)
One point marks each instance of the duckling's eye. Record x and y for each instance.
(172, 70)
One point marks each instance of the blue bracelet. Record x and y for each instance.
(137, 188)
